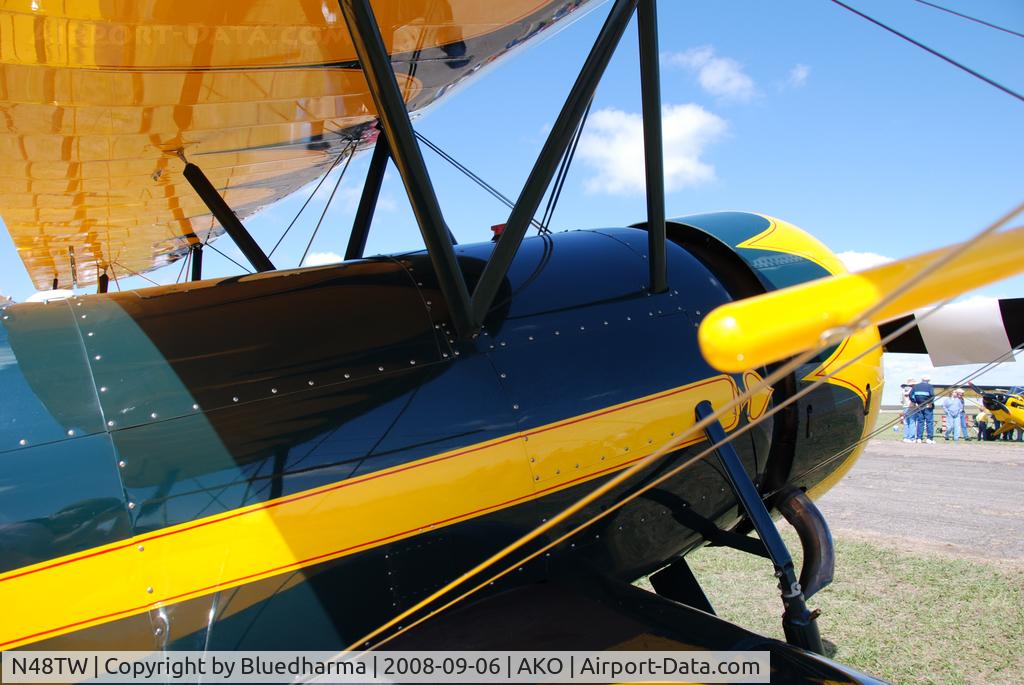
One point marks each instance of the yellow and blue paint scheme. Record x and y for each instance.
(182, 465)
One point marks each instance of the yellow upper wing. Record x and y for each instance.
(97, 96)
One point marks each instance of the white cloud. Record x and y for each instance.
(321, 258)
(721, 76)
(798, 75)
(612, 145)
(858, 261)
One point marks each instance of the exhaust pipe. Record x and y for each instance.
(815, 539)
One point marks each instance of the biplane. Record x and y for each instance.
(316, 458)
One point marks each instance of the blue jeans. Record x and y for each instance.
(954, 427)
(963, 426)
(925, 417)
(909, 423)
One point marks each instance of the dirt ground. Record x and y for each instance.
(962, 498)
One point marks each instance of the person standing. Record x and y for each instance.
(954, 407)
(909, 415)
(923, 397)
(963, 415)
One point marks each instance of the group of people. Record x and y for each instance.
(919, 412)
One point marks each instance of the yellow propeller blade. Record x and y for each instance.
(750, 333)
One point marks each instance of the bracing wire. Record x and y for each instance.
(784, 369)
(135, 273)
(970, 18)
(563, 171)
(308, 199)
(936, 53)
(337, 184)
(214, 248)
(494, 192)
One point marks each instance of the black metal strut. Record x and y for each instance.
(650, 95)
(798, 622)
(197, 261)
(394, 119)
(368, 200)
(547, 161)
(226, 217)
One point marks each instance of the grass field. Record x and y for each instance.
(905, 617)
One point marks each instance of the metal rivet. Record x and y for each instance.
(121, 463)
(533, 459)
(23, 442)
(159, 631)
(88, 335)
(310, 383)
(103, 388)
(456, 353)
(71, 432)
(195, 406)
(605, 323)
(141, 548)
(602, 457)
(536, 477)
(412, 362)
(444, 354)
(98, 357)
(582, 328)
(273, 391)
(347, 376)
(234, 399)
(84, 315)
(504, 376)
(131, 505)
(515, 406)
(530, 338)
(502, 343)
(558, 471)
(110, 424)
(557, 333)
(150, 591)
(629, 318)
(577, 465)
(152, 415)
(380, 368)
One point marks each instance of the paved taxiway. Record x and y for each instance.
(963, 498)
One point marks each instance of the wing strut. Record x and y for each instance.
(650, 95)
(222, 212)
(468, 313)
(368, 200)
(550, 155)
(394, 119)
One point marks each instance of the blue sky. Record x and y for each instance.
(800, 110)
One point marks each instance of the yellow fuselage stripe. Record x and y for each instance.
(247, 544)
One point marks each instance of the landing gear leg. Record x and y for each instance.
(798, 621)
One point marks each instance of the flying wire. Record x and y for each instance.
(829, 338)
(970, 18)
(214, 248)
(936, 53)
(308, 199)
(337, 184)
(494, 192)
(563, 171)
